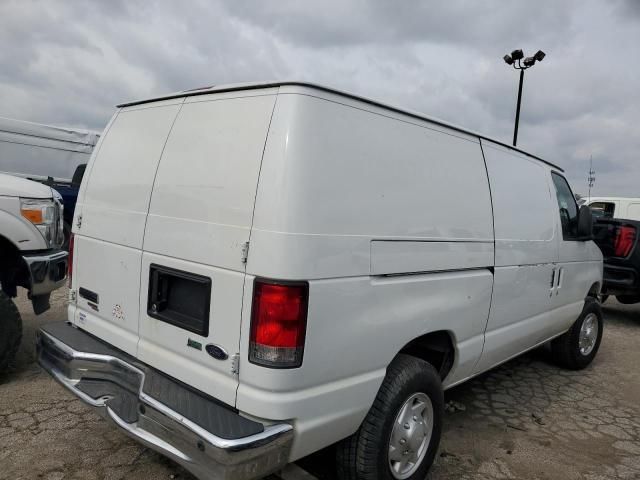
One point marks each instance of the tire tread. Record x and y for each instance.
(11, 330)
(357, 456)
(563, 347)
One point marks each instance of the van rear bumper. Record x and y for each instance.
(160, 412)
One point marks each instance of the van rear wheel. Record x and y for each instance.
(578, 347)
(10, 331)
(399, 437)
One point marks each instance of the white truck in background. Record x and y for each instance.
(31, 234)
(627, 208)
(53, 155)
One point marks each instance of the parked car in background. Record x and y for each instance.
(615, 207)
(56, 156)
(618, 240)
(261, 271)
(30, 256)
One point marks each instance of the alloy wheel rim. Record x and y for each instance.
(410, 436)
(588, 334)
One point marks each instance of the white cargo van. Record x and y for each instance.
(260, 271)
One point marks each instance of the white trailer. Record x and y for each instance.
(40, 151)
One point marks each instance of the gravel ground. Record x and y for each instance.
(526, 419)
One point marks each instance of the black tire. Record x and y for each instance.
(566, 348)
(364, 455)
(628, 299)
(10, 331)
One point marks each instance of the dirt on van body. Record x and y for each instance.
(526, 419)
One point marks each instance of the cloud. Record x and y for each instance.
(69, 63)
(335, 23)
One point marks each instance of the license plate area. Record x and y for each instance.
(179, 298)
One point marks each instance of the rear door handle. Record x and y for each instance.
(89, 295)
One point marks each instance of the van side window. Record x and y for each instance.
(602, 209)
(568, 207)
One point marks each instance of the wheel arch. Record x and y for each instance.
(7, 245)
(594, 290)
(436, 348)
(13, 269)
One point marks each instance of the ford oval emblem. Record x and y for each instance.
(216, 352)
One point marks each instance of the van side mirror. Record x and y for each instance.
(585, 223)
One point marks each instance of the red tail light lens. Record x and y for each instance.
(278, 324)
(625, 237)
(70, 260)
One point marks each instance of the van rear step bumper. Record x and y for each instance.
(206, 437)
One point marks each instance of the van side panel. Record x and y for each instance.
(355, 327)
(199, 222)
(347, 195)
(526, 250)
(396, 256)
(111, 215)
(339, 176)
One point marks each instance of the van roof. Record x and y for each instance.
(258, 85)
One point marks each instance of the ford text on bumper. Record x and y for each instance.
(206, 437)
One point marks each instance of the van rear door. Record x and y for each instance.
(200, 216)
(109, 223)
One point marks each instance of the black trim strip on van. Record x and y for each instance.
(256, 86)
(429, 272)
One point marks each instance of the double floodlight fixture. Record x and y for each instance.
(516, 59)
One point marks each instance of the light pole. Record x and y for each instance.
(591, 177)
(515, 60)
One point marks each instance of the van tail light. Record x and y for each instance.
(278, 323)
(625, 237)
(70, 260)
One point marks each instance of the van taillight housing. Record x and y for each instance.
(278, 323)
(625, 237)
(70, 260)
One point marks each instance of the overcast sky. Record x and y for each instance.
(70, 62)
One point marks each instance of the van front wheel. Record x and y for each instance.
(399, 437)
(577, 348)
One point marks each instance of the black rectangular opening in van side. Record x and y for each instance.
(179, 298)
(88, 295)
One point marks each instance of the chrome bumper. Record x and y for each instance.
(157, 426)
(48, 271)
